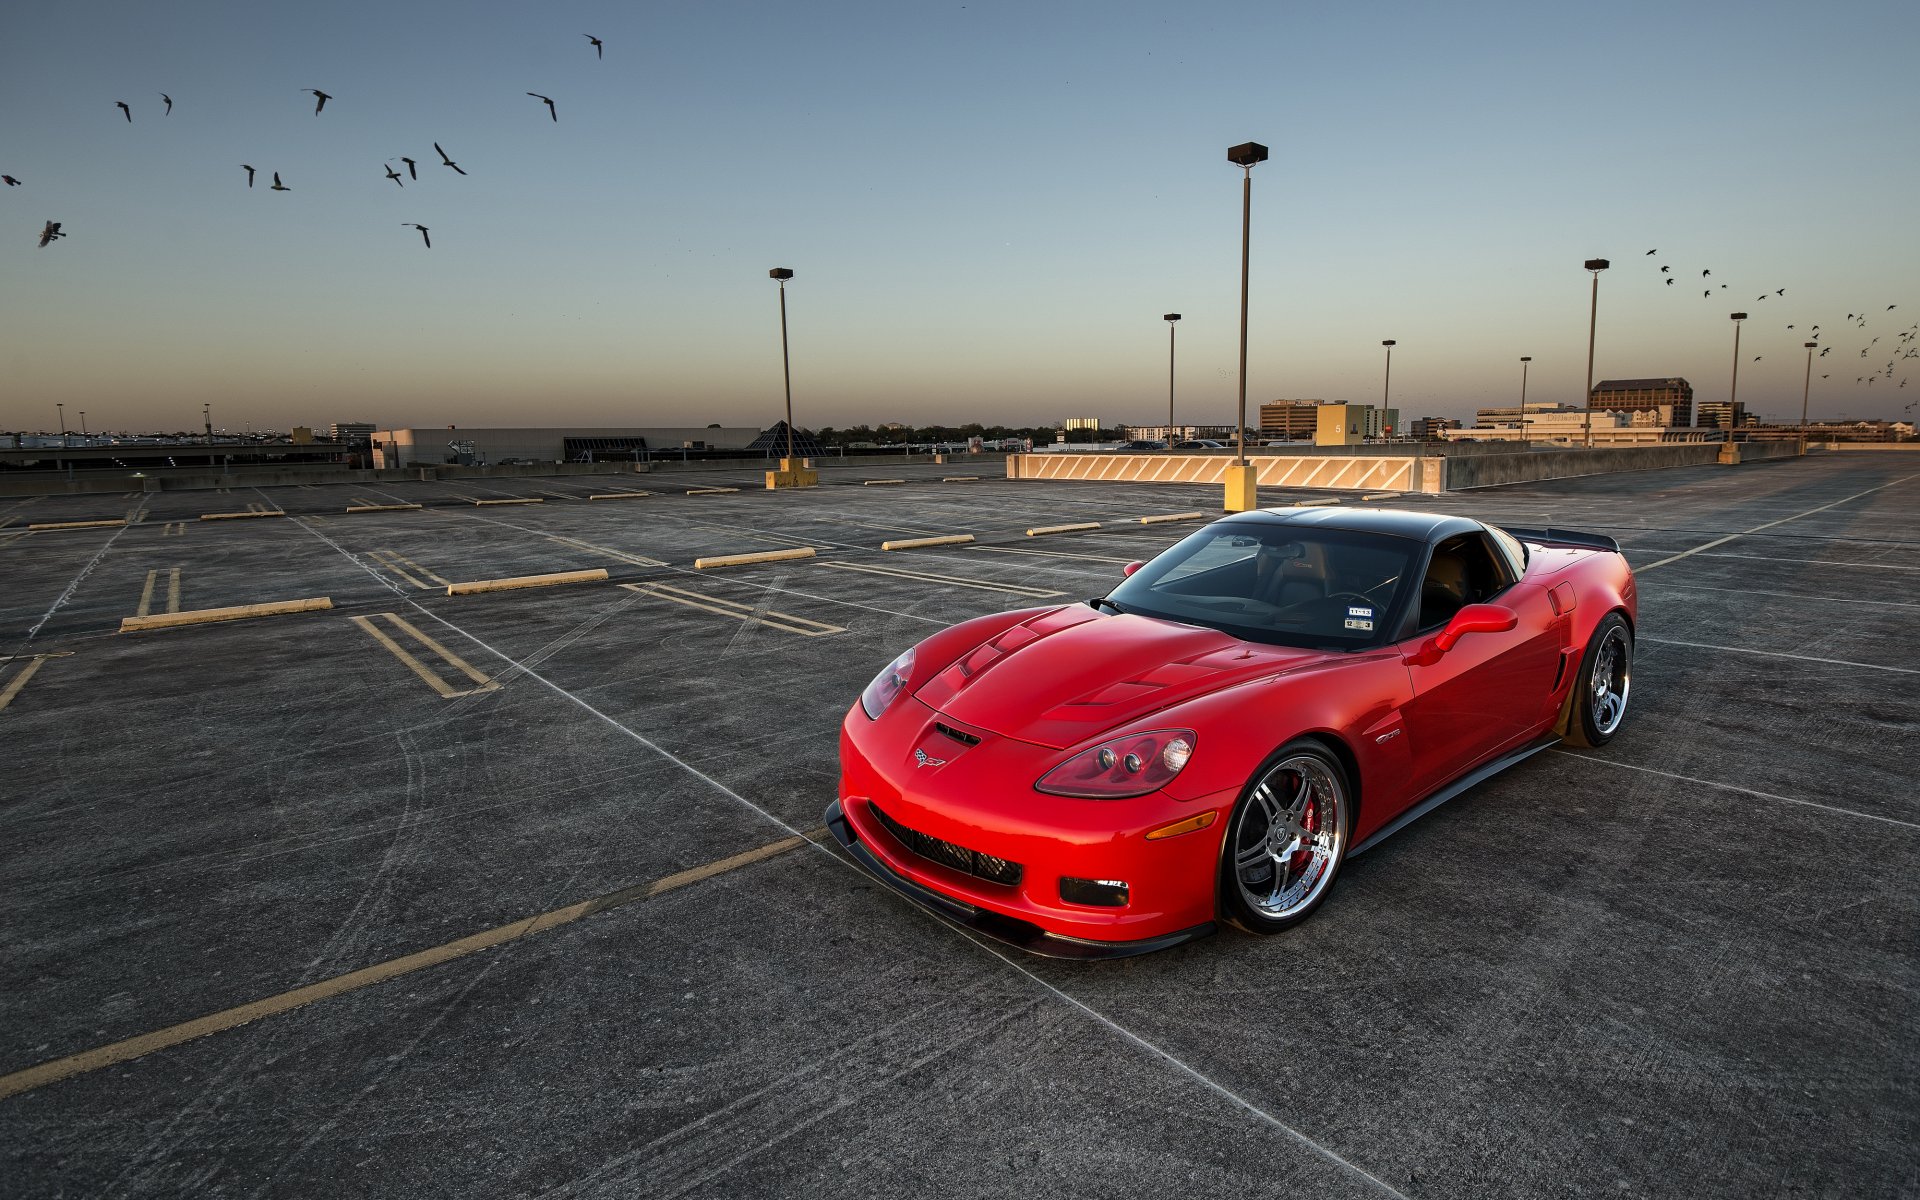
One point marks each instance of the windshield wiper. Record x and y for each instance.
(1103, 602)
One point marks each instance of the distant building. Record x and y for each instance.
(1352, 424)
(1639, 395)
(1508, 417)
(1290, 419)
(1430, 428)
(1712, 414)
(432, 447)
(1571, 426)
(351, 431)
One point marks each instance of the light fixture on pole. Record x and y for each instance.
(1806, 389)
(790, 474)
(1596, 265)
(1170, 318)
(1524, 360)
(1242, 484)
(1386, 384)
(63, 423)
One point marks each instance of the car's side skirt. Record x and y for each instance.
(1021, 935)
(1478, 775)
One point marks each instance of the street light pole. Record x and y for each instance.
(63, 424)
(1170, 318)
(1386, 385)
(1596, 265)
(83, 422)
(1242, 488)
(1733, 387)
(1524, 360)
(782, 274)
(1806, 389)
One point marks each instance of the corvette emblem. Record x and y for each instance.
(924, 759)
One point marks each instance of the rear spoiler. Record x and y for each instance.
(1564, 537)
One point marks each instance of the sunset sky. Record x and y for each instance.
(987, 208)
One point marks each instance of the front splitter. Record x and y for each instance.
(1008, 931)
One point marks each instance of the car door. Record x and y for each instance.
(1482, 696)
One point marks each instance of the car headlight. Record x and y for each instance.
(887, 686)
(1125, 766)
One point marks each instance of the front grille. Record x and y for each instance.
(958, 858)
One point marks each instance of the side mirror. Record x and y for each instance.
(1131, 567)
(1475, 618)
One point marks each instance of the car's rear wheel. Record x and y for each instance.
(1600, 692)
(1286, 839)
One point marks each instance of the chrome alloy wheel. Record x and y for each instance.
(1289, 837)
(1612, 676)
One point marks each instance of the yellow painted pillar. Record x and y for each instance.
(794, 473)
(1242, 488)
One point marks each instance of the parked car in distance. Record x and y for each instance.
(1200, 444)
(1143, 444)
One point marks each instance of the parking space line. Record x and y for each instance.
(638, 560)
(1838, 662)
(1701, 587)
(482, 683)
(1770, 524)
(19, 680)
(7, 539)
(1813, 562)
(953, 580)
(740, 612)
(407, 569)
(174, 529)
(1049, 554)
(1730, 787)
(146, 592)
(137, 1047)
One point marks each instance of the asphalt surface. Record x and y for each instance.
(1683, 965)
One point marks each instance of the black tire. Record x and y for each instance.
(1272, 877)
(1595, 713)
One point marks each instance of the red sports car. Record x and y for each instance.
(1209, 742)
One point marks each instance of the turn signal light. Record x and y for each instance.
(1179, 827)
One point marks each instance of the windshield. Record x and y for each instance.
(1277, 583)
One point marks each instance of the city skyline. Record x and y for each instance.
(987, 209)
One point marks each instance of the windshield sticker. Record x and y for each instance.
(1357, 623)
(1359, 610)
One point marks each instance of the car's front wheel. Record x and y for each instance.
(1286, 839)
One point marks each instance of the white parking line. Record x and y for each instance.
(1729, 787)
(1701, 587)
(1770, 524)
(1838, 662)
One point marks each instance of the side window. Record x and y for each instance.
(1463, 570)
(1511, 550)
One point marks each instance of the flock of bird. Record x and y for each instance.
(52, 230)
(1906, 341)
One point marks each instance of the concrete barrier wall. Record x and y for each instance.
(1492, 470)
(1909, 447)
(1395, 474)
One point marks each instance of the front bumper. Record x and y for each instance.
(1009, 931)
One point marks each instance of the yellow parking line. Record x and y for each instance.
(638, 560)
(174, 529)
(954, 580)
(405, 567)
(146, 592)
(19, 680)
(431, 678)
(131, 1048)
(741, 612)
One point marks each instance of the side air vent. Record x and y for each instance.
(964, 738)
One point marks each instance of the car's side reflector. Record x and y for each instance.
(1179, 827)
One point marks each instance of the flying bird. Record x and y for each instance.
(423, 233)
(1664, 270)
(599, 49)
(548, 101)
(1756, 358)
(1779, 291)
(394, 175)
(10, 180)
(1891, 307)
(1704, 295)
(1653, 252)
(320, 99)
(277, 185)
(447, 161)
(169, 100)
(249, 171)
(1669, 281)
(411, 173)
(1704, 274)
(122, 106)
(51, 232)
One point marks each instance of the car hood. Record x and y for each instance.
(1061, 677)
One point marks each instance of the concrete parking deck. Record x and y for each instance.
(520, 893)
